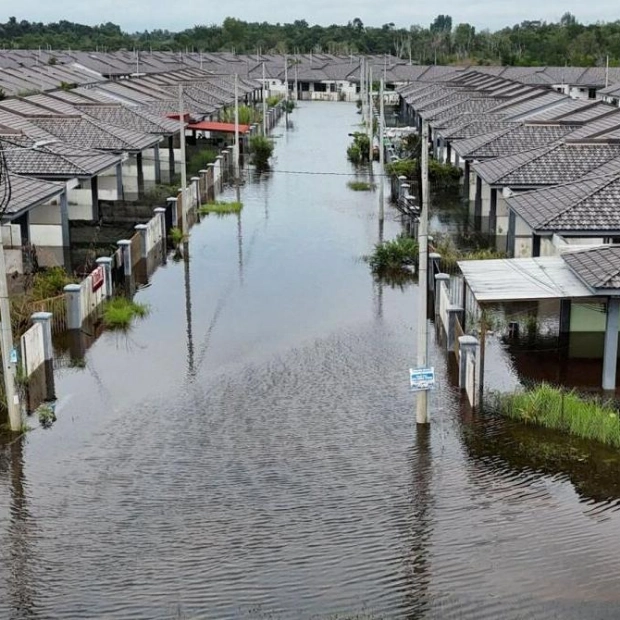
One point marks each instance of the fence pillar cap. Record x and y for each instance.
(72, 288)
(203, 171)
(194, 179)
(171, 199)
(434, 255)
(123, 242)
(402, 177)
(220, 157)
(159, 210)
(104, 260)
(210, 165)
(442, 276)
(455, 308)
(468, 340)
(140, 227)
(41, 316)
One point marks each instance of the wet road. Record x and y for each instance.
(250, 449)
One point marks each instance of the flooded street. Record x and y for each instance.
(250, 450)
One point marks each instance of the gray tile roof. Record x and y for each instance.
(90, 133)
(27, 193)
(587, 205)
(553, 165)
(514, 140)
(56, 160)
(598, 268)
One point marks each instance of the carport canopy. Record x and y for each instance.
(522, 279)
(218, 127)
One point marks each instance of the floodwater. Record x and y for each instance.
(250, 449)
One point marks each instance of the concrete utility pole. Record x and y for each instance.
(381, 152)
(264, 104)
(371, 115)
(286, 91)
(362, 91)
(236, 149)
(422, 400)
(184, 200)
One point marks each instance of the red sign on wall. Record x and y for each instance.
(97, 278)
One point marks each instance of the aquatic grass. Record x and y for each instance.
(361, 186)
(220, 207)
(46, 415)
(399, 253)
(120, 312)
(567, 411)
(261, 148)
(176, 236)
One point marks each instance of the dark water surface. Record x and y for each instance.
(261, 459)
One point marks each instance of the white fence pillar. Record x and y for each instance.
(73, 303)
(106, 263)
(143, 230)
(125, 246)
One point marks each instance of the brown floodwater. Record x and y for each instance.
(249, 450)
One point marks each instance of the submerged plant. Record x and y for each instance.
(46, 415)
(120, 312)
(399, 253)
(553, 407)
(220, 207)
(261, 149)
(176, 236)
(361, 186)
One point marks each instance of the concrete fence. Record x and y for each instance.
(36, 360)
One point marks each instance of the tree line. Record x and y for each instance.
(566, 42)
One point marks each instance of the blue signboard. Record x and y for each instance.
(421, 379)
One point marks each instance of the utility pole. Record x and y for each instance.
(371, 115)
(264, 104)
(286, 91)
(362, 90)
(296, 85)
(6, 342)
(381, 153)
(236, 149)
(422, 400)
(607, 71)
(184, 200)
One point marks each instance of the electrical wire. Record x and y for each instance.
(5, 183)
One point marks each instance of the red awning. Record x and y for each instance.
(215, 126)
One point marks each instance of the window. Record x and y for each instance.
(591, 93)
(319, 87)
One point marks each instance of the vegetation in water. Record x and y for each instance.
(220, 207)
(358, 151)
(200, 160)
(440, 174)
(120, 312)
(46, 415)
(159, 194)
(361, 186)
(176, 236)
(289, 105)
(450, 254)
(261, 148)
(394, 255)
(273, 100)
(247, 115)
(567, 411)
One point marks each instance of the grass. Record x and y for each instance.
(120, 312)
(450, 254)
(176, 236)
(399, 253)
(361, 186)
(555, 408)
(220, 207)
(261, 149)
(200, 160)
(46, 415)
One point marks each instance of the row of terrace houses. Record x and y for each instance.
(314, 76)
(70, 150)
(542, 177)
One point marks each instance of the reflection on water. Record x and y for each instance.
(250, 448)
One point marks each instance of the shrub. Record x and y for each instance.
(159, 194)
(199, 161)
(358, 151)
(176, 236)
(50, 283)
(273, 100)
(399, 253)
(120, 312)
(289, 106)
(261, 149)
(247, 115)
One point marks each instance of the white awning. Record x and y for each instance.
(522, 279)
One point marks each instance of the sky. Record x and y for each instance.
(138, 15)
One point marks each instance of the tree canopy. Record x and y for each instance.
(566, 42)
